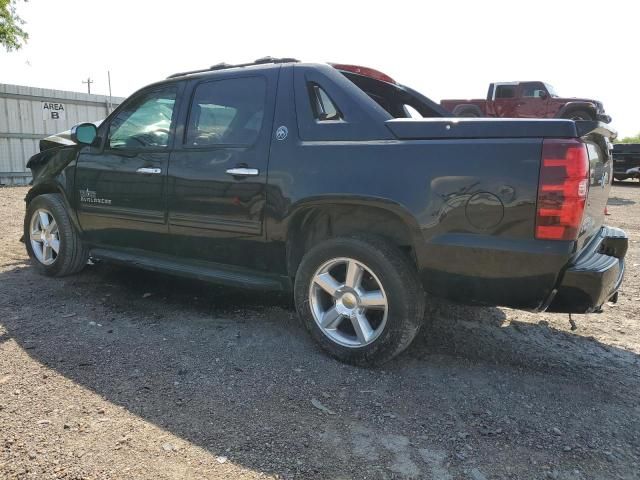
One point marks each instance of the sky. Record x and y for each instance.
(444, 49)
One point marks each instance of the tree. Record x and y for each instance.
(635, 139)
(12, 36)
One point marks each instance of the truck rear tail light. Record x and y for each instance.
(364, 71)
(562, 189)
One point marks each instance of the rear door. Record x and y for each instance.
(218, 172)
(121, 186)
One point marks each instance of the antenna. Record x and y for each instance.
(110, 101)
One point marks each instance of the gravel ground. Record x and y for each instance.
(116, 373)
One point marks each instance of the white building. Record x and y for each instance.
(28, 114)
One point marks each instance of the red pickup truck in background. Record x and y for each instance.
(527, 100)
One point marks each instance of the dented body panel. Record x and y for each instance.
(458, 195)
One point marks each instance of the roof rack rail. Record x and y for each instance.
(223, 65)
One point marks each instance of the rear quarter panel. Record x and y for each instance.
(471, 205)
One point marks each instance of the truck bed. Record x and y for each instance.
(626, 160)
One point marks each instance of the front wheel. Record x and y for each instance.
(52, 242)
(580, 115)
(360, 298)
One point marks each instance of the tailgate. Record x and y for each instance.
(625, 157)
(597, 137)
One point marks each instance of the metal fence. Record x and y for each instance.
(28, 114)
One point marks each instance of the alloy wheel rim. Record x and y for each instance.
(348, 302)
(44, 236)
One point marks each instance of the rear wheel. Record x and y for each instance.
(580, 115)
(469, 114)
(360, 298)
(52, 243)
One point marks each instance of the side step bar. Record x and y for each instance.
(205, 271)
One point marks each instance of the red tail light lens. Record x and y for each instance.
(562, 189)
(364, 71)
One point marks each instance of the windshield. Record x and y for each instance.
(551, 90)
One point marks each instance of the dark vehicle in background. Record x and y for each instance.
(317, 180)
(527, 100)
(626, 161)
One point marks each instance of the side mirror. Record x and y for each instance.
(85, 133)
(543, 94)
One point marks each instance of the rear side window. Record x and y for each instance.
(505, 91)
(227, 112)
(321, 104)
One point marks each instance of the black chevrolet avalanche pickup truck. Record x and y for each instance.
(338, 184)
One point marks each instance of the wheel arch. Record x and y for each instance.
(467, 107)
(570, 107)
(314, 221)
(52, 186)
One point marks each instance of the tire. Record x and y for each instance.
(387, 277)
(579, 115)
(72, 254)
(469, 114)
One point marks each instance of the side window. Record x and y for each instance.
(321, 104)
(505, 91)
(227, 112)
(532, 91)
(144, 122)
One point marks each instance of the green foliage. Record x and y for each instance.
(635, 139)
(12, 36)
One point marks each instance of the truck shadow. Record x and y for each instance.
(234, 372)
(617, 201)
(626, 183)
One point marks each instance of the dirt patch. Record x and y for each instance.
(99, 379)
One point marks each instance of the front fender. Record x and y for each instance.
(53, 173)
(569, 106)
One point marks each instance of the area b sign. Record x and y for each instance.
(53, 111)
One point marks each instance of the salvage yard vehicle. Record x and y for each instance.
(316, 179)
(626, 161)
(527, 100)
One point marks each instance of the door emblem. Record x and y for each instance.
(282, 132)
(90, 196)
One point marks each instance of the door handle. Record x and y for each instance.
(243, 172)
(147, 170)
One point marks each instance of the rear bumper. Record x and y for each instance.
(626, 171)
(595, 276)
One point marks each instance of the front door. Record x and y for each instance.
(533, 100)
(121, 186)
(217, 176)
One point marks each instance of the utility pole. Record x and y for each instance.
(88, 81)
